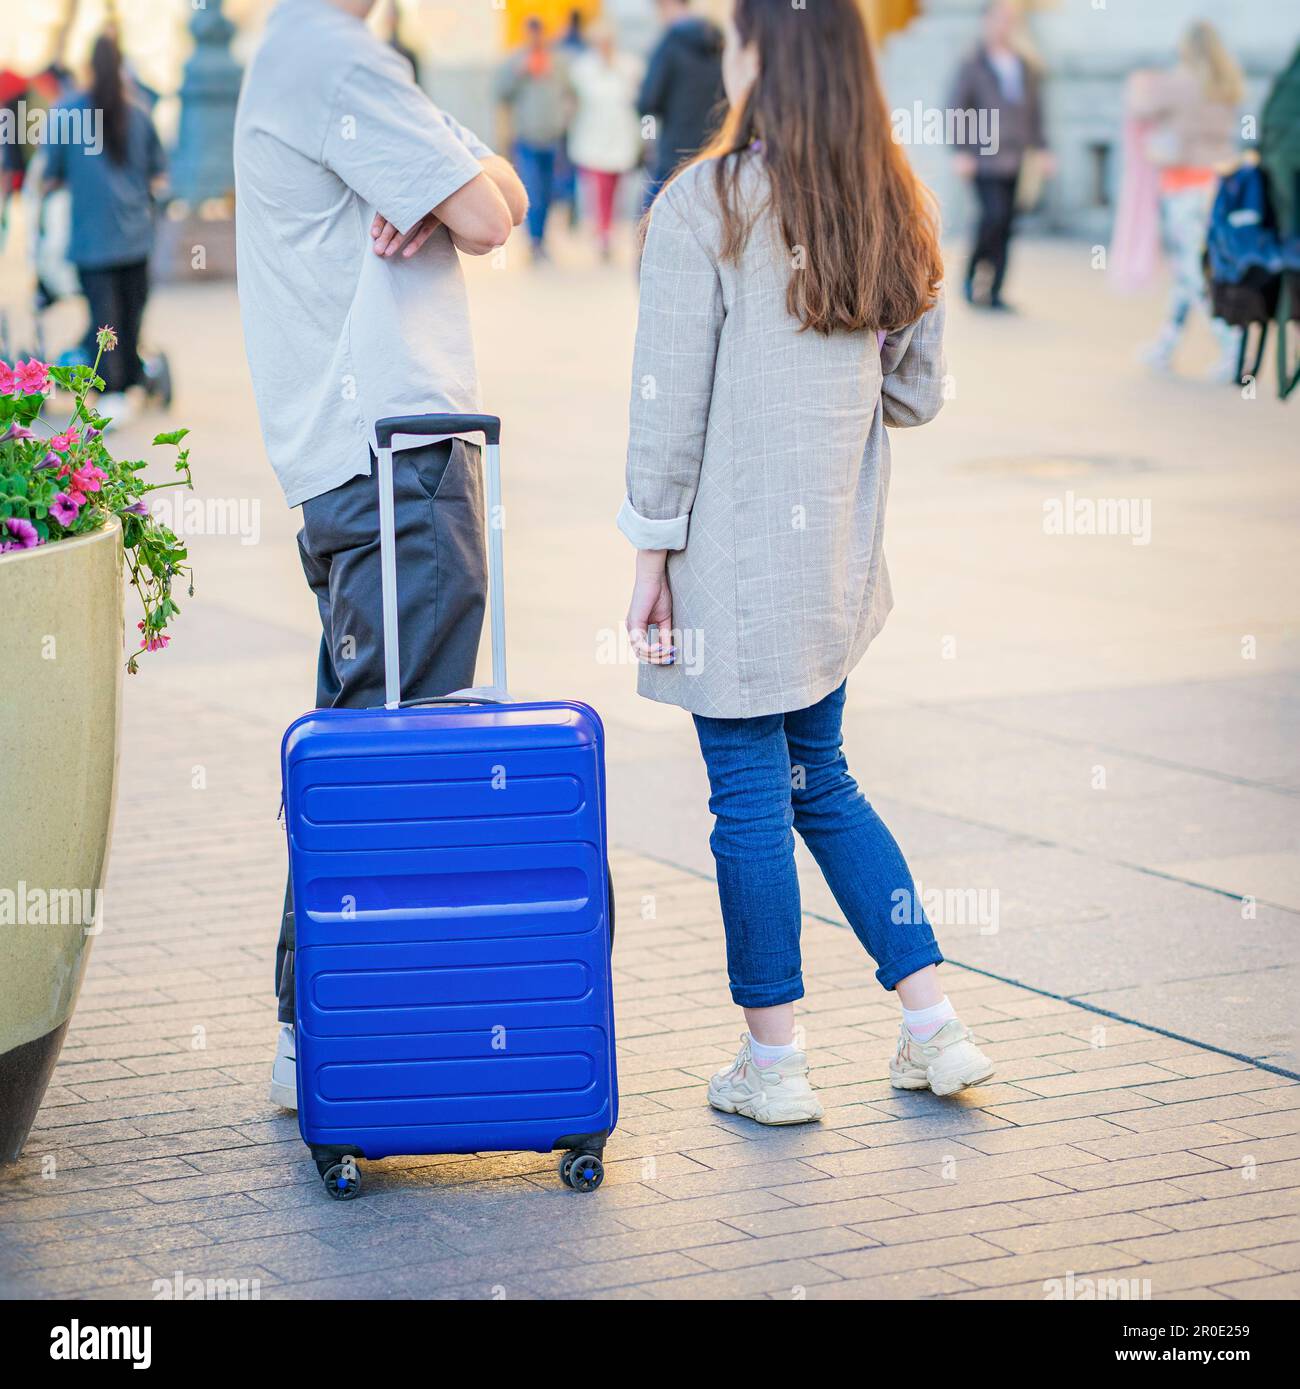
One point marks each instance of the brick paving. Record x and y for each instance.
(1100, 1151)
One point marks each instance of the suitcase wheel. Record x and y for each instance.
(582, 1171)
(342, 1179)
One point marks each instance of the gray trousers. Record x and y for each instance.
(441, 596)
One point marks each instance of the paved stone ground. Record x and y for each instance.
(1015, 666)
(1099, 1150)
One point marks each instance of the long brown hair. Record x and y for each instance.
(108, 94)
(849, 206)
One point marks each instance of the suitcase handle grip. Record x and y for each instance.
(447, 699)
(487, 425)
(490, 427)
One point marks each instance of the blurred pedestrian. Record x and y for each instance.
(389, 28)
(1133, 255)
(534, 83)
(1190, 111)
(776, 384)
(574, 38)
(112, 195)
(605, 137)
(1001, 90)
(13, 148)
(572, 44)
(682, 90)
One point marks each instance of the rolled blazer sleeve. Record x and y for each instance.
(912, 367)
(677, 333)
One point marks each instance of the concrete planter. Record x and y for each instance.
(60, 688)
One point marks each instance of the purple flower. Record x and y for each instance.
(92, 433)
(23, 532)
(137, 509)
(51, 460)
(64, 509)
(16, 431)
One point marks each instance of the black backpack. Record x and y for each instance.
(1243, 257)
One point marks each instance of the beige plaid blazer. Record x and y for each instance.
(758, 455)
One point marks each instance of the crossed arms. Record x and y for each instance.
(416, 166)
(478, 215)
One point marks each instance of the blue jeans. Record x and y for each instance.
(536, 165)
(781, 772)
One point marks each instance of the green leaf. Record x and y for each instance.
(172, 437)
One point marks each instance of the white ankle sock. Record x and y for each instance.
(923, 1023)
(766, 1056)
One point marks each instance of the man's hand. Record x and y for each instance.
(651, 606)
(502, 173)
(386, 240)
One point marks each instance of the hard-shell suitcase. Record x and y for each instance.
(453, 908)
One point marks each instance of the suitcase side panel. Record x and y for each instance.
(453, 953)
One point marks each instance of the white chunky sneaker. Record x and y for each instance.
(945, 1063)
(284, 1071)
(775, 1094)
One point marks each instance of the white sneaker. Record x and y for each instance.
(945, 1063)
(775, 1094)
(284, 1070)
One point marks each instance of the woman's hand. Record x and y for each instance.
(651, 606)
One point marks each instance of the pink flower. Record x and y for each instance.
(16, 431)
(8, 382)
(87, 478)
(23, 534)
(155, 642)
(64, 509)
(32, 377)
(61, 443)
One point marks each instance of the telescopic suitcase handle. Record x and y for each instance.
(425, 425)
(489, 426)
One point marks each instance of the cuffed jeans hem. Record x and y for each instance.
(923, 955)
(767, 995)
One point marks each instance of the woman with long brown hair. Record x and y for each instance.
(111, 161)
(790, 311)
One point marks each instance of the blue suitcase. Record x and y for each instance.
(453, 908)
